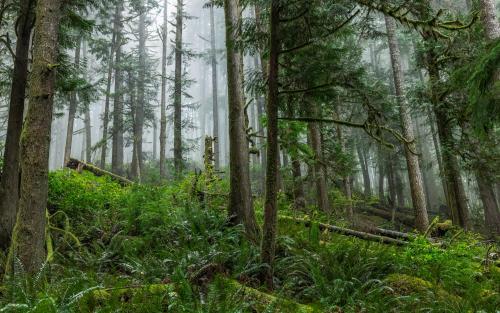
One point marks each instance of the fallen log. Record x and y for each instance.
(393, 233)
(404, 219)
(349, 232)
(261, 301)
(79, 166)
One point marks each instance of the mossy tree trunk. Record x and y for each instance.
(28, 244)
(271, 202)
(412, 162)
(9, 185)
(240, 195)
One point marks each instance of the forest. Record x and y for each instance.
(251, 156)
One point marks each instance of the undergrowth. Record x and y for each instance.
(146, 249)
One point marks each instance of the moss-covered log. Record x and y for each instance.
(261, 301)
(79, 166)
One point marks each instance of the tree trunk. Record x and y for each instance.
(346, 181)
(240, 202)
(105, 118)
(270, 204)
(364, 170)
(319, 173)
(262, 141)
(489, 19)
(135, 169)
(141, 93)
(398, 182)
(215, 89)
(73, 105)
(163, 104)
(87, 120)
(455, 188)
(491, 210)
(412, 162)
(299, 198)
(28, 241)
(117, 151)
(381, 175)
(391, 183)
(178, 91)
(9, 184)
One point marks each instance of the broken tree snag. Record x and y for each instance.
(79, 166)
(348, 232)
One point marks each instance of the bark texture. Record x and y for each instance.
(28, 244)
(489, 19)
(412, 162)
(9, 185)
(240, 196)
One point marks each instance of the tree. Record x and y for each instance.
(9, 184)
(141, 96)
(412, 162)
(28, 241)
(178, 158)
(73, 106)
(240, 195)
(117, 151)
(215, 89)
(111, 66)
(163, 103)
(268, 249)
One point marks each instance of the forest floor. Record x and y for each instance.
(158, 249)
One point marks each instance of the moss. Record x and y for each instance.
(406, 285)
(261, 301)
(402, 284)
(131, 296)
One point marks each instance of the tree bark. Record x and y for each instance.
(489, 19)
(117, 151)
(163, 104)
(178, 161)
(9, 184)
(271, 202)
(215, 89)
(412, 162)
(240, 199)
(73, 105)
(28, 241)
